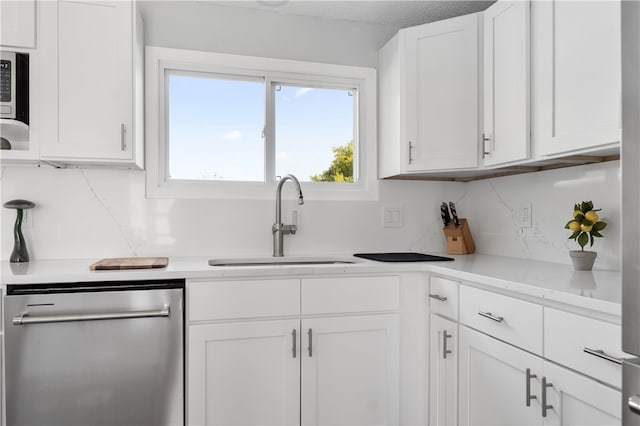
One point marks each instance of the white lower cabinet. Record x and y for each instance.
(244, 373)
(443, 371)
(340, 370)
(350, 370)
(580, 401)
(300, 356)
(504, 385)
(493, 382)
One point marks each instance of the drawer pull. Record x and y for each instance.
(438, 297)
(601, 354)
(545, 406)
(528, 387)
(491, 316)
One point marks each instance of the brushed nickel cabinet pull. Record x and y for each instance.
(485, 152)
(123, 137)
(410, 152)
(438, 297)
(310, 348)
(528, 387)
(601, 354)
(545, 406)
(445, 351)
(491, 316)
(294, 341)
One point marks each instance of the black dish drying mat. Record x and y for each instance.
(401, 257)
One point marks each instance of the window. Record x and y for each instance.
(215, 127)
(225, 123)
(315, 130)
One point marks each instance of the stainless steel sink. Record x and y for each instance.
(275, 261)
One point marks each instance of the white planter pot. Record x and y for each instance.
(583, 260)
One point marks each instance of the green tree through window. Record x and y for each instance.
(341, 168)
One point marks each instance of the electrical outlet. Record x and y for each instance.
(393, 216)
(524, 215)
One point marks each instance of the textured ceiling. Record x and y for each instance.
(393, 13)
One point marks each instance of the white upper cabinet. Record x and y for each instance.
(429, 98)
(576, 75)
(506, 83)
(92, 87)
(18, 23)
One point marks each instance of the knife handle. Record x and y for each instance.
(444, 211)
(454, 214)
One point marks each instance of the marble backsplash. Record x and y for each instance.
(98, 213)
(495, 209)
(94, 213)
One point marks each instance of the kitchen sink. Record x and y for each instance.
(274, 261)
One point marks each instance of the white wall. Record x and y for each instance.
(84, 213)
(242, 31)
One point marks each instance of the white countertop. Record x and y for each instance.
(597, 290)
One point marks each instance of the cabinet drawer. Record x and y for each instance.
(352, 294)
(215, 300)
(566, 336)
(508, 319)
(443, 297)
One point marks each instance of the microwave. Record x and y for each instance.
(14, 86)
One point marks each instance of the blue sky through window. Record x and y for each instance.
(215, 128)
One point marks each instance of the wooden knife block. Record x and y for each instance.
(459, 239)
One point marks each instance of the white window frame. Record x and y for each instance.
(159, 61)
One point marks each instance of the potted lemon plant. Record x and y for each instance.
(586, 226)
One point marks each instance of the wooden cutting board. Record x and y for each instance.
(115, 263)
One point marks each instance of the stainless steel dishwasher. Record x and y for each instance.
(107, 353)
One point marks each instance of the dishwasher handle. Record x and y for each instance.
(25, 319)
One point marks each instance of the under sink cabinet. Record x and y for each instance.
(291, 351)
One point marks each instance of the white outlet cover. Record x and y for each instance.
(393, 216)
(524, 215)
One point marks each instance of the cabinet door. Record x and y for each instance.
(576, 75)
(18, 23)
(578, 400)
(443, 371)
(244, 373)
(442, 94)
(506, 82)
(350, 371)
(88, 83)
(493, 382)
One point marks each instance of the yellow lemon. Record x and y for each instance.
(576, 213)
(591, 216)
(574, 225)
(586, 228)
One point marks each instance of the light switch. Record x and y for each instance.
(393, 216)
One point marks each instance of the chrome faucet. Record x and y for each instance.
(279, 229)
